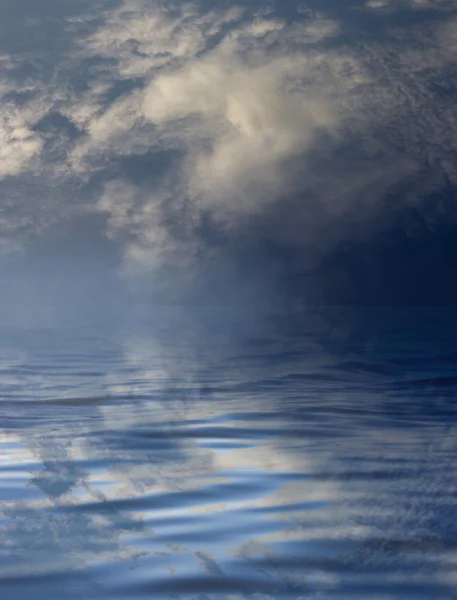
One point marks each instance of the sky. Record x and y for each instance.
(223, 153)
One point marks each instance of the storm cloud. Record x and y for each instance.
(233, 154)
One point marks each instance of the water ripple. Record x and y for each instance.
(206, 472)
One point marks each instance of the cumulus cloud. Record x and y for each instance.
(189, 128)
(237, 115)
(250, 126)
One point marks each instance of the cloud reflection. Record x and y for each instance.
(224, 472)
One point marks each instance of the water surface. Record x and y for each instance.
(312, 456)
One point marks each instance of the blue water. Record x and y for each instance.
(302, 456)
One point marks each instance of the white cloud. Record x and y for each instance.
(246, 122)
(438, 5)
(18, 143)
(144, 36)
(238, 113)
(254, 109)
(378, 3)
(137, 218)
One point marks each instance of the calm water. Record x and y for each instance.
(312, 456)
